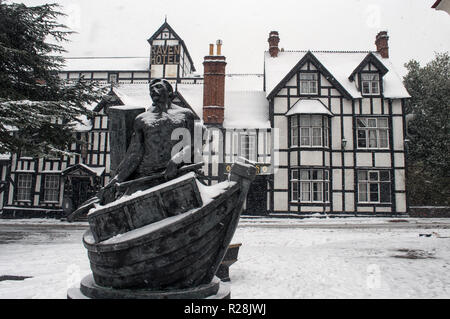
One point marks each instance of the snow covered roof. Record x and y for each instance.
(135, 94)
(95, 170)
(246, 105)
(84, 126)
(340, 65)
(309, 106)
(106, 64)
(4, 157)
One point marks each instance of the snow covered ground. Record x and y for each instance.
(280, 258)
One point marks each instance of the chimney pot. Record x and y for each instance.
(219, 47)
(382, 43)
(211, 49)
(273, 40)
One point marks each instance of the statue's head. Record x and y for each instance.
(161, 93)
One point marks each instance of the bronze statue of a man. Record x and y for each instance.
(151, 147)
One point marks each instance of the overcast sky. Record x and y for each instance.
(121, 28)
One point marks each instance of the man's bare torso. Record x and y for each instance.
(156, 129)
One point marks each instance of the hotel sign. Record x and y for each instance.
(165, 54)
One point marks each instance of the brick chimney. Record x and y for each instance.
(214, 86)
(273, 40)
(382, 44)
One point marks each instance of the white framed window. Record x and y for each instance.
(370, 83)
(24, 184)
(51, 188)
(248, 147)
(310, 185)
(374, 186)
(312, 131)
(309, 83)
(373, 133)
(294, 131)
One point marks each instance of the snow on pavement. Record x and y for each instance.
(273, 262)
(342, 263)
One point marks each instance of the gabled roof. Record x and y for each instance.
(309, 106)
(309, 56)
(110, 99)
(340, 65)
(166, 25)
(97, 171)
(370, 58)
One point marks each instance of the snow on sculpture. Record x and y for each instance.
(156, 231)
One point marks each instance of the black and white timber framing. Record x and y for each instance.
(37, 187)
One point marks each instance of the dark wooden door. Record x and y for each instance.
(81, 190)
(257, 197)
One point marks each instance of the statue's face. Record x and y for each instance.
(159, 93)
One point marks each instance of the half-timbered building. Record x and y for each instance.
(325, 129)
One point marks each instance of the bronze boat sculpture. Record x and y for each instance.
(160, 235)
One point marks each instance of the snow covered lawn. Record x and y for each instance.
(280, 258)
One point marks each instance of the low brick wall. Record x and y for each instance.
(429, 211)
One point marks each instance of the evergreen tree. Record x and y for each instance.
(37, 108)
(429, 132)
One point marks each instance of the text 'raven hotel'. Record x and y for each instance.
(326, 128)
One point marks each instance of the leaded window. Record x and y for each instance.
(309, 131)
(370, 83)
(24, 184)
(310, 185)
(374, 186)
(248, 147)
(309, 83)
(51, 188)
(373, 133)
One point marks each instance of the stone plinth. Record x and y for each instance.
(90, 290)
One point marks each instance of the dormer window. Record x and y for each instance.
(370, 83)
(309, 83)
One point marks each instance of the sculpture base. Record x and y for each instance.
(90, 290)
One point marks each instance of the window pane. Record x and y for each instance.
(375, 89)
(294, 174)
(374, 192)
(317, 137)
(383, 135)
(317, 120)
(382, 123)
(305, 138)
(305, 121)
(305, 192)
(365, 87)
(362, 175)
(317, 192)
(361, 122)
(372, 123)
(372, 138)
(312, 87)
(385, 192)
(373, 176)
(362, 192)
(304, 175)
(295, 191)
(362, 139)
(384, 176)
(24, 187)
